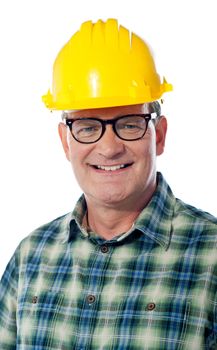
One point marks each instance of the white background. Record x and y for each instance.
(36, 183)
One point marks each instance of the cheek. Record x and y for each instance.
(78, 154)
(146, 161)
(151, 144)
(148, 150)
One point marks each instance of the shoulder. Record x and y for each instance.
(194, 221)
(51, 233)
(194, 213)
(38, 245)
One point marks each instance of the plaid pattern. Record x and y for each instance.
(153, 287)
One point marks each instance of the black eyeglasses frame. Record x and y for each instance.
(148, 116)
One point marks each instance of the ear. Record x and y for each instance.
(62, 129)
(161, 130)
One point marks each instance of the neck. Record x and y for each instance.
(108, 224)
(109, 221)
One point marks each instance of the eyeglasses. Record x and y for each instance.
(129, 127)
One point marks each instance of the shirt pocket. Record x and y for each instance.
(159, 323)
(36, 319)
(173, 318)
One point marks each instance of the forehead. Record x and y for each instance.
(110, 111)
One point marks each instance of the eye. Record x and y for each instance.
(84, 129)
(130, 126)
(87, 130)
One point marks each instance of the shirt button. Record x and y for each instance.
(150, 306)
(35, 299)
(104, 249)
(91, 299)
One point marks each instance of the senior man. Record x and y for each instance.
(131, 267)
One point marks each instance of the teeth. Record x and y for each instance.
(110, 168)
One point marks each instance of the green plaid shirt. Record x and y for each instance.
(153, 287)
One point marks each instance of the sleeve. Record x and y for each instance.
(8, 306)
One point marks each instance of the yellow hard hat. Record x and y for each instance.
(104, 65)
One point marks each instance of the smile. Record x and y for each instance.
(111, 168)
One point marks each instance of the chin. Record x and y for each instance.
(108, 197)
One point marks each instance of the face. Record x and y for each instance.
(114, 172)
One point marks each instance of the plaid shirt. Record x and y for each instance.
(153, 287)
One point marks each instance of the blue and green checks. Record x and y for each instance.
(153, 287)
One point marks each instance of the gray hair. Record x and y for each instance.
(155, 107)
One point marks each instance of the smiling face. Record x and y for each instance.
(114, 172)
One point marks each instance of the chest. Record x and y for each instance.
(107, 297)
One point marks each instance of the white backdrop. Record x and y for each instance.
(36, 183)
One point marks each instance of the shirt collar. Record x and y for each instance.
(154, 221)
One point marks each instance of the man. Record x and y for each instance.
(131, 267)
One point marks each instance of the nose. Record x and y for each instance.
(110, 145)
